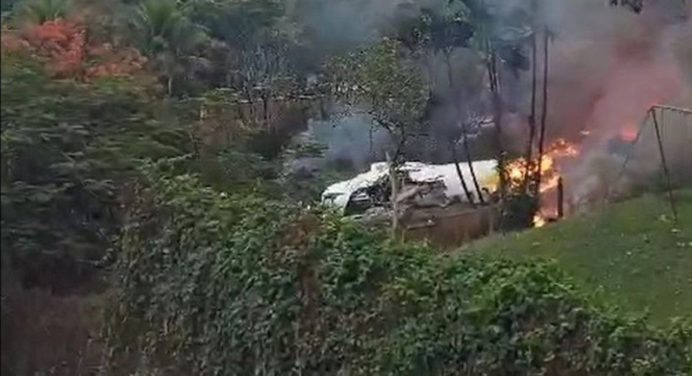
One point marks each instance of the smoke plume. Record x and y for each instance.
(607, 67)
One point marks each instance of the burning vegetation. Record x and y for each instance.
(545, 174)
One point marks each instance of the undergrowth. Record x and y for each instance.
(222, 284)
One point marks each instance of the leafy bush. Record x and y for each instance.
(66, 150)
(218, 284)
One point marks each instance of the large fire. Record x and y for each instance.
(550, 174)
(518, 170)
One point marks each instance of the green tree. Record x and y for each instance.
(6, 5)
(67, 150)
(40, 11)
(168, 37)
(238, 23)
(390, 89)
(246, 28)
(443, 32)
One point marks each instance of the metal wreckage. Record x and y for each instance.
(431, 202)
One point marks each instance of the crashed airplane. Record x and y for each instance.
(432, 202)
(365, 187)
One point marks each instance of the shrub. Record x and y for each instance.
(217, 284)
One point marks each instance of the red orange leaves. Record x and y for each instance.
(62, 46)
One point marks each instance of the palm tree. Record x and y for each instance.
(41, 11)
(167, 36)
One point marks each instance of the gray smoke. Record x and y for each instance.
(350, 140)
(607, 67)
(604, 79)
(342, 24)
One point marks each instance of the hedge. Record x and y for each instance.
(220, 284)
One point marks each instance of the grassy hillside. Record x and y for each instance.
(631, 253)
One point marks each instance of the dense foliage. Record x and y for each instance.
(67, 147)
(223, 284)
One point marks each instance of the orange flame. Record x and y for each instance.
(538, 221)
(518, 169)
(561, 148)
(628, 134)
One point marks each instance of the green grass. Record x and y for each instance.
(629, 253)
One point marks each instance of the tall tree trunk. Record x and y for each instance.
(544, 111)
(370, 142)
(247, 91)
(169, 85)
(265, 107)
(464, 186)
(393, 166)
(497, 117)
(532, 116)
(469, 160)
(394, 185)
(432, 80)
(450, 73)
(456, 104)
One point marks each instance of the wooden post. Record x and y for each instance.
(560, 198)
